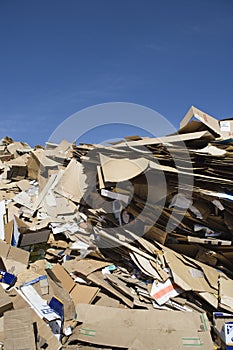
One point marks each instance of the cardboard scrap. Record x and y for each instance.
(152, 328)
(73, 182)
(18, 330)
(5, 301)
(14, 259)
(65, 279)
(82, 294)
(116, 170)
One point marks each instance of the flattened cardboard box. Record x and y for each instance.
(155, 329)
(18, 330)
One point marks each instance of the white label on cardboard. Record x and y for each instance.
(39, 305)
(225, 126)
(228, 330)
(162, 292)
(195, 273)
(115, 195)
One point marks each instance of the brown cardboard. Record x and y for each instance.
(169, 139)
(98, 279)
(156, 328)
(2, 215)
(119, 285)
(5, 301)
(23, 199)
(22, 225)
(65, 279)
(166, 168)
(17, 146)
(205, 118)
(19, 255)
(18, 167)
(186, 277)
(31, 238)
(2, 329)
(48, 185)
(18, 330)
(211, 274)
(39, 163)
(83, 294)
(4, 249)
(85, 266)
(73, 182)
(57, 290)
(65, 206)
(9, 227)
(45, 334)
(116, 170)
(23, 185)
(156, 234)
(15, 259)
(105, 300)
(225, 293)
(145, 266)
(26, 275)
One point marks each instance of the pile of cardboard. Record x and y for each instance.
(119, 246)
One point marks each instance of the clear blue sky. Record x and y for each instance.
(58, 57)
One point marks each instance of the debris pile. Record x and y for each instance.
(119, 246)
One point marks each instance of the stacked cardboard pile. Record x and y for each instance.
(120, 246)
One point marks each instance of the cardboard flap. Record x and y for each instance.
(205, 118)
(116, 170)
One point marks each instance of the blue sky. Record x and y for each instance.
(58, 57)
